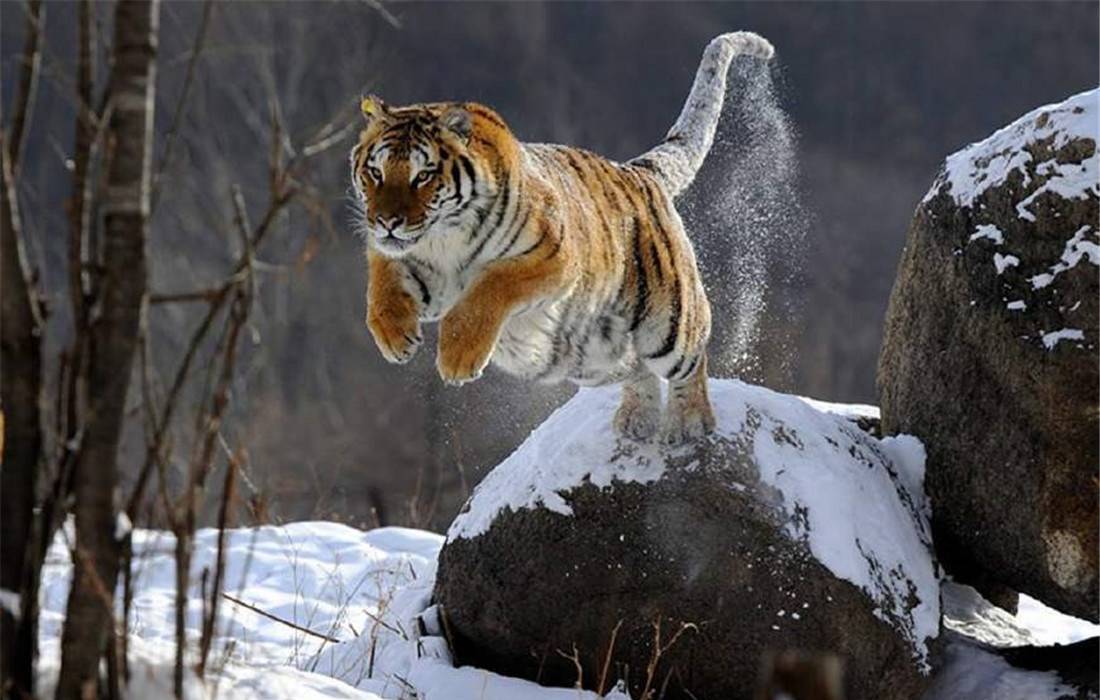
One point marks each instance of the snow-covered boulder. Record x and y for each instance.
(990, 355)
(789, 528)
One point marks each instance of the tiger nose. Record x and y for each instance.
(390, 223)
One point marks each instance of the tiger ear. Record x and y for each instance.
(373, 109)
(458, 121)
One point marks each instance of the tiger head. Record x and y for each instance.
(416, 173)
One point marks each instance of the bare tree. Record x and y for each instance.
(89, 621)
(21, 329)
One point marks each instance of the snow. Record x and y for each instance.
(975, 627)
(830, 467)
(1048, 626)
(372, 591)
(1003, 262)
(989, 163)
(123, 526)
(1076, 250)
(322, 576)
(975, 674)
(847, 410)
(1051, 339)
(990, 232)
(10, 601)
(966, 612)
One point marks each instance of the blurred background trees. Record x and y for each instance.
(321, 426)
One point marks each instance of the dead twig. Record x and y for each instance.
(229, 488)
(276, 618)
(660, 650)
(177, 115)
(601, 687)
(575, 657)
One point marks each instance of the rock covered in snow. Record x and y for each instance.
(989, 354)
(790, 528)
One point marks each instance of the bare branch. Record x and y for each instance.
(378, 7)
(177, 115)
(229, 495)
(28, 84)
(601, 687)
(276, 618)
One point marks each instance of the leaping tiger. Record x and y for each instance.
(553, 262)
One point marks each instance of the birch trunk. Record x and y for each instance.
(89, 620)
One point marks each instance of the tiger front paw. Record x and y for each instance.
(397, 338)
(466, 344)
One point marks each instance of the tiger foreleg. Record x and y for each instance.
(689, 414)
(392, 313)
(469, 332)
(639, 414)
(467, 338)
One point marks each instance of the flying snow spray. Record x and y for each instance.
(745, 217)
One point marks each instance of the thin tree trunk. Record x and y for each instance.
(21, 326)
(21, 396)
(89, 620)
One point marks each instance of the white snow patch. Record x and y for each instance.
(11, 602)
(988, 231)
(1003, 262)
(1048, 626)
(1076, 250)
(123, 526)
(1050, 340)
(847, 410)
(975, 674)
(988, 163)
(1018, 305)
(965, 611)
(860, 522)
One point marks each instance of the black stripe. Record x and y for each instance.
(606, 328)
(641, 297)
(658, 265)
(674, 313)
(425, 295)
(484, 113)
(574, 162)
(519, 230)
(691, 367)
(674, 322)
(506, 196)
(675, 368)
(554, 250)
(468, 166)
(536, 244)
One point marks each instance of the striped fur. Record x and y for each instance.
(552, 262)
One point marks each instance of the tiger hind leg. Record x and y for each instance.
(689, 414)
(639, 414)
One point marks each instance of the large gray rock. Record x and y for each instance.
(789, 529)
(990, 355)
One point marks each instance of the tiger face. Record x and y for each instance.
(413, 173)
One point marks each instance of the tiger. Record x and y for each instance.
(551, 262)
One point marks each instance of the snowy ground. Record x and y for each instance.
(370, 591)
